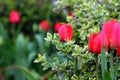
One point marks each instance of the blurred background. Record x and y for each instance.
(22, 40)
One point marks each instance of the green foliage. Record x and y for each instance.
(69, 50)
(88, 18)
(70, 60)
(20, 43)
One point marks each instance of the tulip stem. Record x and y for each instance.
(13, 29)
(19, 29)
(116, 68)
(97, 68)
(76, 67)
(111, 66)
(68, 69)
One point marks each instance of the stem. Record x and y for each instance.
(104, 65)
(97, 68)
(111, 66)
(116, 68)
(69, 76)
(18, 29)
(76, 67)
(68, 69)
(13, 29)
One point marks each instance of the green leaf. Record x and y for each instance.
(14, 72)
(27, 73)
(3, 34)
(21, 43)
(49, 37)
(40, 58)
(40, 41)
(77, 50)
(37, 74)
(74, 77)
(107, 75)
(31, 56)
(46, 66)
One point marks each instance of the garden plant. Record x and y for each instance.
(59, 40)
(87, 43)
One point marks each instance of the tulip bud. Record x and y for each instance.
(44, 25)
(110, 34)
(94, 43)
(14, 17)
(57, 26)
(65, 32)
(71, 14)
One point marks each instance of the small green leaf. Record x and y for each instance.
(40, 58)
(74, 77)
(46, 66)
(77, 50)
(49, 37)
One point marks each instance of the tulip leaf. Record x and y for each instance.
(27, 73)
(107, 75)
(3, 34)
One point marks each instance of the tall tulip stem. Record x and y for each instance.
(13, 29)
(19, 28)
(97, 68)
(116, 68)
(76, 66)
(68, 65)
(111, 66)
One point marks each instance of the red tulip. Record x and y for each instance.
(70, 14)
(65, 32)
(44, 25)
(110, 34)
(14, 17)
(94, 43)
(118, 52)
(57, 26)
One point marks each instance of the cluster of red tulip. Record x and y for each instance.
(64, 30)
(108, 38)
